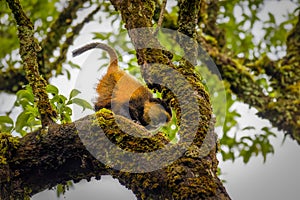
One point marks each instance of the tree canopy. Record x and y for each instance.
(199, 56)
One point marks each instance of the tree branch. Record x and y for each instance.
(186, 177)
(28, 51)
(282, 107)
(39, 161)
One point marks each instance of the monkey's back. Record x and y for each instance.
(119, 89)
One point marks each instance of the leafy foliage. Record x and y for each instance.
(240, 19)
(62, 103)
(41, 20)
(62, 188)
(29, 118)
(6, 124)
(234, 145)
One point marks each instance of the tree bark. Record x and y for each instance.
(41, 160)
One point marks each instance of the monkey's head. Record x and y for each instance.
(156, 113)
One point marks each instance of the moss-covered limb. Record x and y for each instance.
(136, 13)
(41, 161)
(58, 29)
(293, 41)
(28, 51)
(192, 176)
(281, 105)
(284, 110)
(187, 178)
(57, 64)
(187, 21)
(152, 185)
(241, 81)
(188, 17)
(8, 145)
(128, 135)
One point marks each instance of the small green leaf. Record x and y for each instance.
(68, 74)
(22, 121)
(60, 189)
(73, 65)
(59, 99)
(6, 119)
(248, 128)
(52, 89)
(83, 103)
(6, 124)
(102, 36)
(271, 18)
(246, 155)
(26, 95)
(74, 93)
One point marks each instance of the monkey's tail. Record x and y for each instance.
(111, 52)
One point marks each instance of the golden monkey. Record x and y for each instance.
(124, 95)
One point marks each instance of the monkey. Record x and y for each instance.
(124, 95)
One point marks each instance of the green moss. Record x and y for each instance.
(7, 144)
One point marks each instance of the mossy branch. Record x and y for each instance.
(179, 174)
(187, 21)
(28, 51)
(281, 105)
(69, 152)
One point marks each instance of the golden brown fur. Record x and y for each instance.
(124, 95)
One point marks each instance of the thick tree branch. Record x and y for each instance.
(42, 161)
(284, 109)
(184, 172)
(39, 161)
